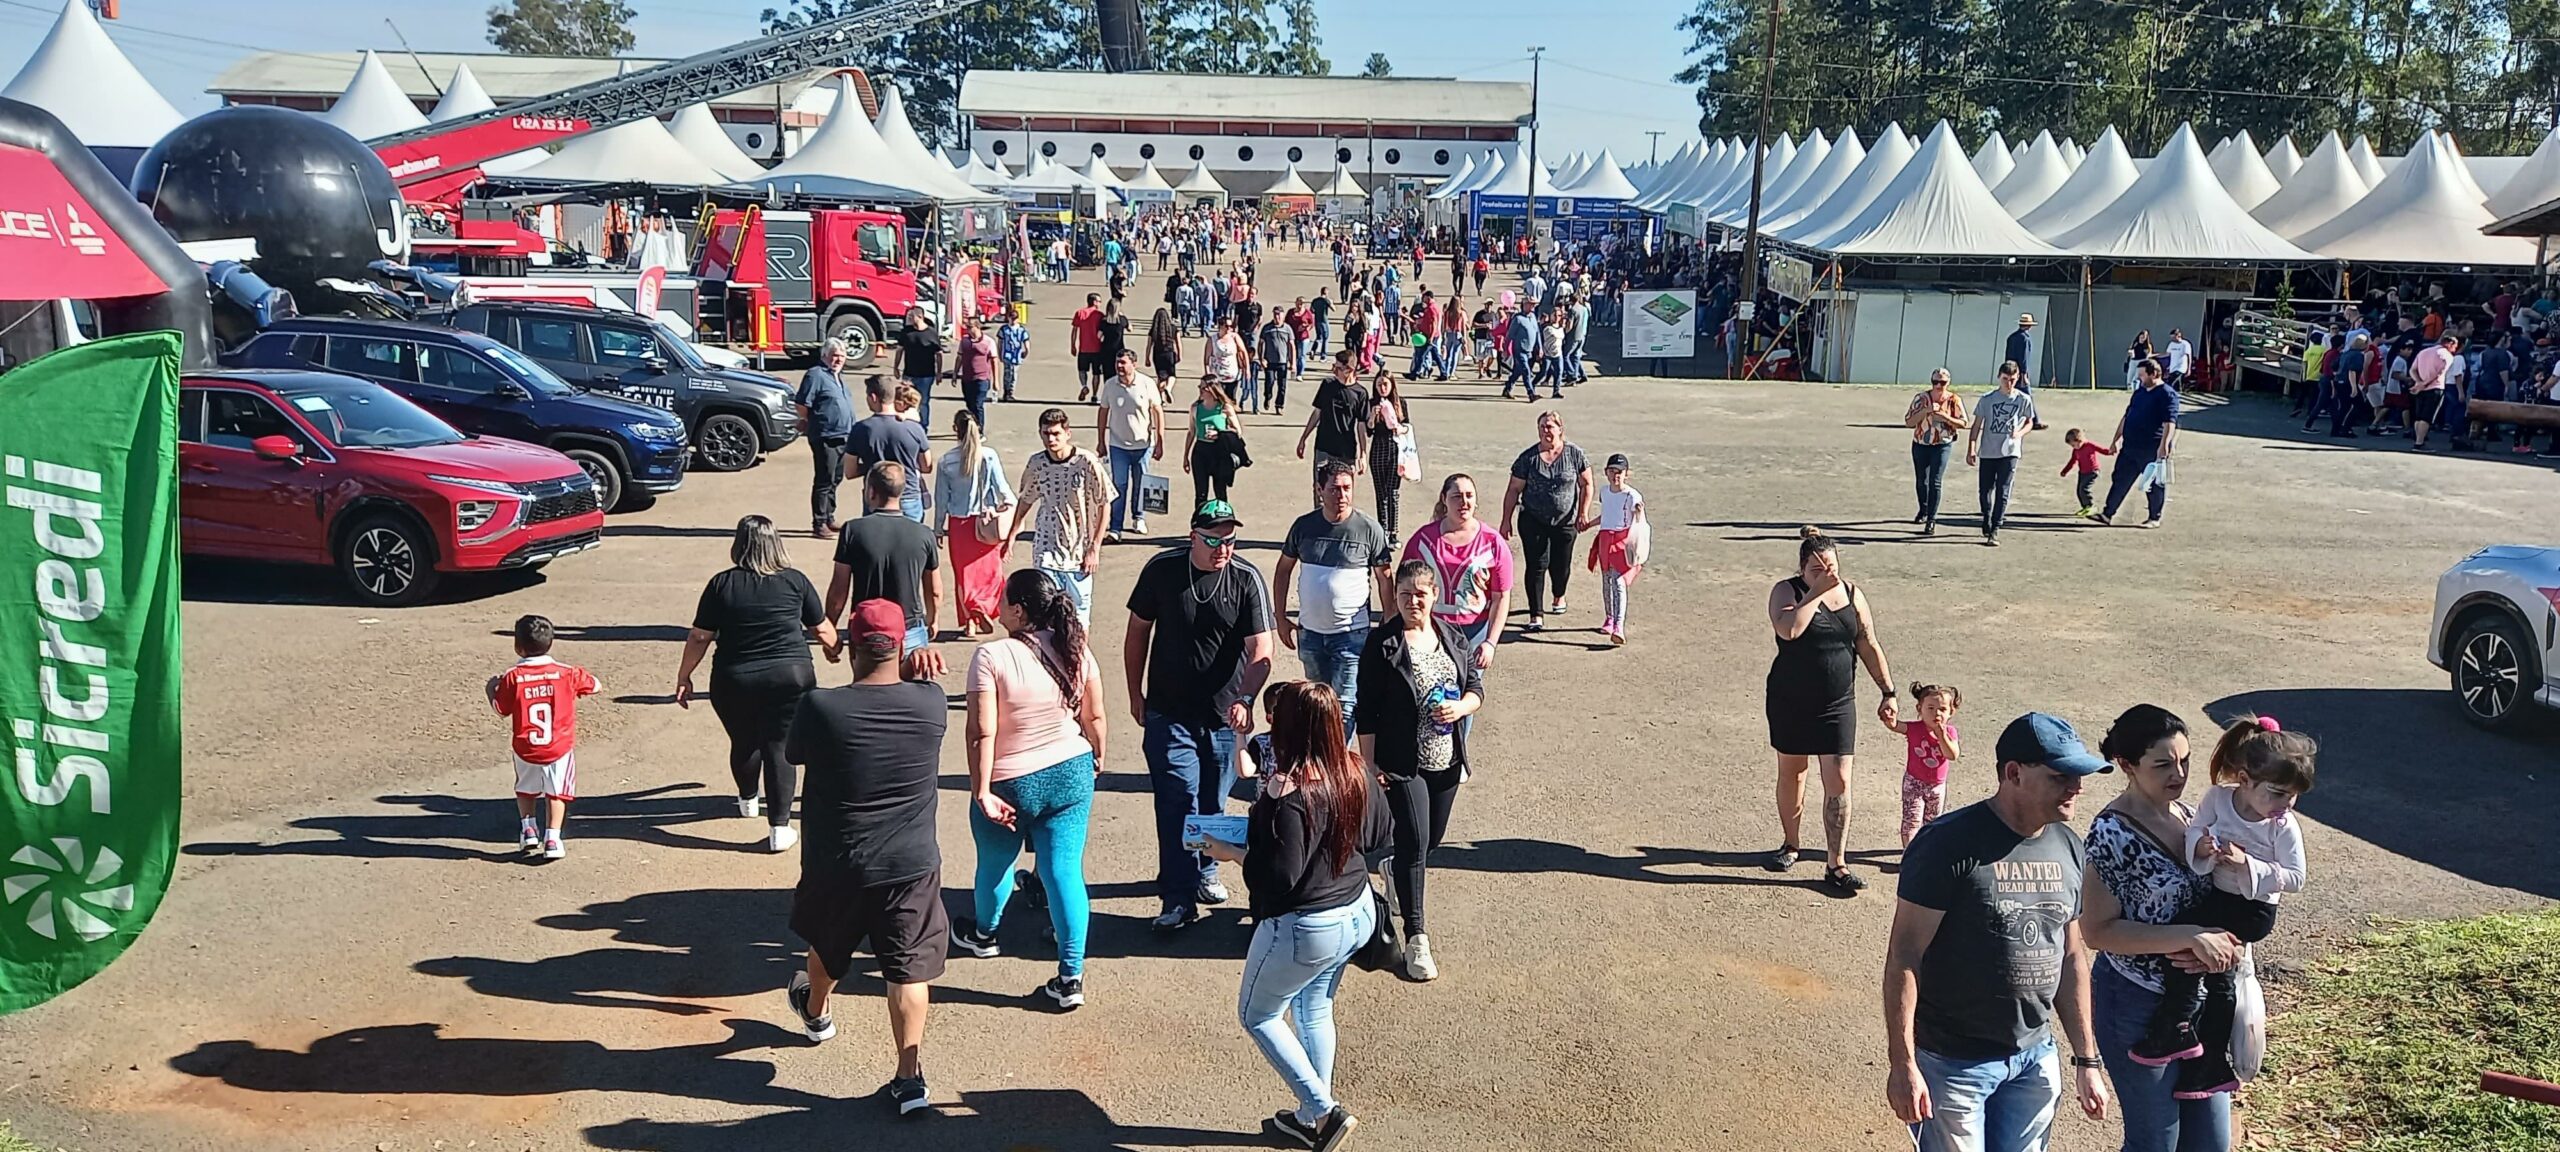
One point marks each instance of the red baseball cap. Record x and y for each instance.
(879, 618)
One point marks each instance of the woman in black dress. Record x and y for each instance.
(1824, 631)
(760, 611)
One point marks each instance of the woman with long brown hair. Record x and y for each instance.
(1164, 351)
(1307, 845)
(1387, 421)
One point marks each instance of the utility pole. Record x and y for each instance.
(1369, 204)
(1744, 307)
(1653, 154)
(1529, 223)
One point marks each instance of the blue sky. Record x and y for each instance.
(1607, 77)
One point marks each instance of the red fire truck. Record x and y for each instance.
(785, 281)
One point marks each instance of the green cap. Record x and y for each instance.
(1216, 512)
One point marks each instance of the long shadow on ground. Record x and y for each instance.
(1010, 1119)
(1649, 865)
(461, 828)
(2399, 768)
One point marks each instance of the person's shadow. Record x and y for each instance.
(463, 828)
(1018, 1119)
(1650, 865)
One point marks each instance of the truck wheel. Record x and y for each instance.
(388, 560)
(860, 339)
(726, 442)
(601, 471)
(2492, 670)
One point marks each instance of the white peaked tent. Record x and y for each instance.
(1665, 174)
(78, 75)
(1702, 164)
(2017, 152)
(701, 134)
(2179, 210)
(1341, 186)
(1936, 205)
(1723, 161)
(2073, 152)
(2244, 173)
(1449, 187)
(463, 96)
(978, 175)
(847, 146)
(2427, 211)
(2535, 183)
(1149, 180)
(1602, 179)
(2101, 177)
(373, 104)
(2367, 164)
(2325, 185)
(2035, 177)
(1572, 169)
(2284, 159)
(1046, 176)
(1808, 158)
(1289, 184)
(1198, 182)
(1992, 161)
(1515, 179)
(931, 175)
(640, 152)
(1097, 174)
(1487, 171)
(1847, 153)
(1738, 190)
(1872, 177)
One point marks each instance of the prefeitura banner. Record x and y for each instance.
(88, 657)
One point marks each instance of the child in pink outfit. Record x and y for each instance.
(1931, 744)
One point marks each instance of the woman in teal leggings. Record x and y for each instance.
(1035, 745)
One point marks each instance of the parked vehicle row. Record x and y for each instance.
(488, 437)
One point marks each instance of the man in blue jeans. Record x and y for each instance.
(1339, 556)
(1522, 330)
(1129, 430)
(1196, 655)
(1986, 951)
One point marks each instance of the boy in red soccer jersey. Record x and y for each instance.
(541, 695)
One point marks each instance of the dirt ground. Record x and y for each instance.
(355, 957)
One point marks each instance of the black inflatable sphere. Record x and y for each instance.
(318, 202)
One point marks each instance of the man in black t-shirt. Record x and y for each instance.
(870, 867)
(885, 556)
(1338, 419)
(920, 361)
(1196, 655)
(1986, 950)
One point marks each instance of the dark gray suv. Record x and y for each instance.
(732, 415)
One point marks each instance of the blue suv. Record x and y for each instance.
(631, 451)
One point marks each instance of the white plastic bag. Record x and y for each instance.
(2248, 1022)
(1639, 543)
(1408, 456)
(2156, 472)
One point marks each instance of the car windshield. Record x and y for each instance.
(534, 377)
(684, 353)
(354, 414)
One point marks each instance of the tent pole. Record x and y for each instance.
(2089, 320)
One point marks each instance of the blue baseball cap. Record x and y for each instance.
(2038, 738)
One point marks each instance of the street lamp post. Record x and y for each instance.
(1529, 220)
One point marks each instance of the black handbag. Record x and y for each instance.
(1384, 951)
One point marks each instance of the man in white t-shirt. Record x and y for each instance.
(2182, 359)
(1128, 429)
(2001, 421)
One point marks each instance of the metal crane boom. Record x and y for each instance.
(443, 154)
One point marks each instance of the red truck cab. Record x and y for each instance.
(788, 281)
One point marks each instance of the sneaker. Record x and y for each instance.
(2085, 512)
(1067, 991)
(1417, 958)
(1929, 528)
(1535, 624)
(908, 1094)
(1139, 526)
(1213, 893)
(1286, 1120)
(2206, 1076)
(1843, 881)
(2151, 523)
(529, 835)
(1990, 539)
(1557, 608)
(2166, 1045)
(1174, 919)
(1110, 537)
(1336, 1129)
(823, 531)
(780, 838)
(1784, 859)
(552, 849)
(2104, 520)
(750, 806)
(819, 1029)
(1033, 892)
(966, 937)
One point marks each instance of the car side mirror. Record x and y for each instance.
(282, 448)
(514, 391)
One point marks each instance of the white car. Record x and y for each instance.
(2497, 631)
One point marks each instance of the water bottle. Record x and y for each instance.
(1439, 694)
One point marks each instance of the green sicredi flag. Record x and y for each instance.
(89, 737)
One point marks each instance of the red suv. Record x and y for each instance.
(319, 468)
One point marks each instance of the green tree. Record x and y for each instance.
(1378, 66)
(561, 27)
(1303, 54)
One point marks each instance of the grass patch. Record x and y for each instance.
(9, 1141)
(2381, 1048)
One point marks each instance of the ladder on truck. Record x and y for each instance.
(438, 158)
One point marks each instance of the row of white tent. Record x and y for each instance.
(1045, 175)
(1901, 198)
(1507, 171)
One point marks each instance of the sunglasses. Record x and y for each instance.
(1209, 541)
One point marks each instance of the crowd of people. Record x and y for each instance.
(1352, 769)
(2401, 369)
